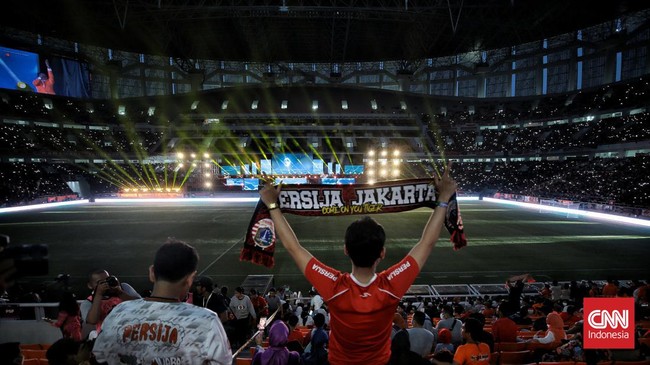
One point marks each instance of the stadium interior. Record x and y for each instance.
(538, 102)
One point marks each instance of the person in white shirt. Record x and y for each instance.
(316, 301)
(161, 329)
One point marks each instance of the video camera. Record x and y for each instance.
(28, 260)
(112, 281)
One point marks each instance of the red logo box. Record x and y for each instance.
(608, 323)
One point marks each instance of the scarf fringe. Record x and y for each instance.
(257, 257)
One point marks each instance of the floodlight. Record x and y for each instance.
(208, 184)
(206, 165)
(193, 155)
(193, 164)
(383, 162)
(395, 162)
(371, 163)
(396, 153)
(371, 172)
(206, 155)
(371, 181)
(207, 174)
(180, 155)
(371, 153)
(395, 173)
(384, 153)
(383, 172)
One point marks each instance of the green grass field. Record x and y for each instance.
(503, 241)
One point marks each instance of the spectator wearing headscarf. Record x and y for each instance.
(277, 352)
(555, 333)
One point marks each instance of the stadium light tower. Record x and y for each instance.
(382, 165)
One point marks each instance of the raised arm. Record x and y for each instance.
(446, 187)
(300, 255)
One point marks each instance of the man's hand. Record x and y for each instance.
(101, 288)
(445, 185)
(270, 193)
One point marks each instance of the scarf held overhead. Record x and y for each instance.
(333, 200)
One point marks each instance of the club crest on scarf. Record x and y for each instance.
(264, 233)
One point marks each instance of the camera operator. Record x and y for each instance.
(107, 293)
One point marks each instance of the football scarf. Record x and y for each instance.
(333, 200)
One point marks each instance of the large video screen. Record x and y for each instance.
(230, 170)
(338, 181)
(353, 169)
(27, 71)
(17, 69)
(246, 184)
(292, 164)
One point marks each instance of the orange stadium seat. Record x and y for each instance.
(640, 362)
(510, 346)
(31, 346)
(243, 361)
(514, 357)
(644, 341)
(34, 354)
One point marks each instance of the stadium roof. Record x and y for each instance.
(309, 31)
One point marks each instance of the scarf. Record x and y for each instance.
(333, 200)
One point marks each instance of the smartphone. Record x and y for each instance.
(262, 323)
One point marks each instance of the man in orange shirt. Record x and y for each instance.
(472, 352)
(45, 83)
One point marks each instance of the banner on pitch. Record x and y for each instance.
(336, 200)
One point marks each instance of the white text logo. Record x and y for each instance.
(600, 319)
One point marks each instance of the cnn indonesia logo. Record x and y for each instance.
(609, 323)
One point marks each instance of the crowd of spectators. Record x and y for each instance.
(46, 141)
(576, 180)
(433, 328)
(566, 137)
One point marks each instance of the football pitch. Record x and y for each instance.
(503, 241)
